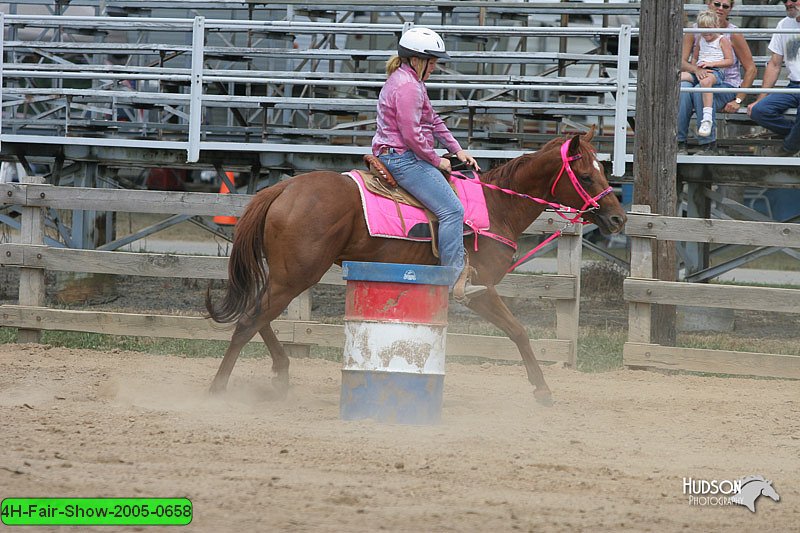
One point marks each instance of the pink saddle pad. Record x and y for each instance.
(383, 220)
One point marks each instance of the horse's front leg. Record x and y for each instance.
(490, 306)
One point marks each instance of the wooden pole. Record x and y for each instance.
(655, 167)
(31, 280)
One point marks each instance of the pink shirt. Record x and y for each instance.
(407, 121)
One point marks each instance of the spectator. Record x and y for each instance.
(690, 103)
(713, 53)
(768, 109)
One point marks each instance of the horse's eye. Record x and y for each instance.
(586, 179)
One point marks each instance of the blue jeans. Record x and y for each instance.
(430, 187)
(689, 103)
(717, 73)
(768, 112)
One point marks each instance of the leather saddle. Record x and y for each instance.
(381, 182)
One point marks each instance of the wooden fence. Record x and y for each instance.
(641, 290)
(33, 257)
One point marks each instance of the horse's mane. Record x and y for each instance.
(501, 176)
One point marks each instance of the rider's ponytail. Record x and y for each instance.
(395, 61)
(393, 64)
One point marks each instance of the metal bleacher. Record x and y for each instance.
(280, 85)
(284, 92)
(91, 89)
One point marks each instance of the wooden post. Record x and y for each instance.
(655, 166)
(31, 280)
(567, 311)
(639, 314)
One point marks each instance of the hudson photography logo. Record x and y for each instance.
(721, 492)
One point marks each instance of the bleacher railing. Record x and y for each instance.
(211, 84)
(204, 84)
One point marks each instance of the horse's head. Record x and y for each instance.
(582, 184)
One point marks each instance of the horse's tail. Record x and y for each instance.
(248, 277)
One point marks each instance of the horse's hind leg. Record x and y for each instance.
(280, 361)
(490, 306)
(241, 335)
(272, 306)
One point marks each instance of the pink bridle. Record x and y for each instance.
(590, 204)
(588, 200)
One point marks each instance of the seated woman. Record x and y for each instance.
(691, 103)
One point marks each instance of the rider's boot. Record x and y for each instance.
(463, 289)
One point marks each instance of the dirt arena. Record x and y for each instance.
(610, 455)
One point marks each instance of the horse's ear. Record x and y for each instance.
(574, 145)
(589, 135)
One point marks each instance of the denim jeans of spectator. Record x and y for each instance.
(769, 113)
(693, 103)
(430, 187)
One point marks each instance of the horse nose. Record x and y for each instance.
(617, 221)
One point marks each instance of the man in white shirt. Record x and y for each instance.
(768, 110)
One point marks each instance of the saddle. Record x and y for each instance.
(381, 182)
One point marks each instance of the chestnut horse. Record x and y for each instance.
(291, 233)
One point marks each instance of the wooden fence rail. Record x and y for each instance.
(32, 316)
(641, 291)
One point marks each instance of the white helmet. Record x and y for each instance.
(421, 42)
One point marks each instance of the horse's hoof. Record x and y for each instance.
(543, 397)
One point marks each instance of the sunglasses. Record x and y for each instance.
(728, 6)
(787, 1)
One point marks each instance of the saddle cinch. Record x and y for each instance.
(381, 182)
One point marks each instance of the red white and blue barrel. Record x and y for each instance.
(394, 350)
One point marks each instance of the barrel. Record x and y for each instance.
(395, 335)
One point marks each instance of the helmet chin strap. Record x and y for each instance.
(424, 69)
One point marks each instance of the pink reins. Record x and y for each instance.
(591, 203)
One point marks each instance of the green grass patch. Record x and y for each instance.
(151, 345)
(717, 341)
(600, 349)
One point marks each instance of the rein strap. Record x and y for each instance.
(590, 204)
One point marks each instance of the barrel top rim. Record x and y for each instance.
(398, 273)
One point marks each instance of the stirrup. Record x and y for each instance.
(471, 290)
(464, 290)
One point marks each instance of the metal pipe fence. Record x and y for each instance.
(207, 84)
(183, 88)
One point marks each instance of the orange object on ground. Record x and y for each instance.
(223, 219)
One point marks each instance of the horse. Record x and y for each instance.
(752, 488)
(291, 233)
